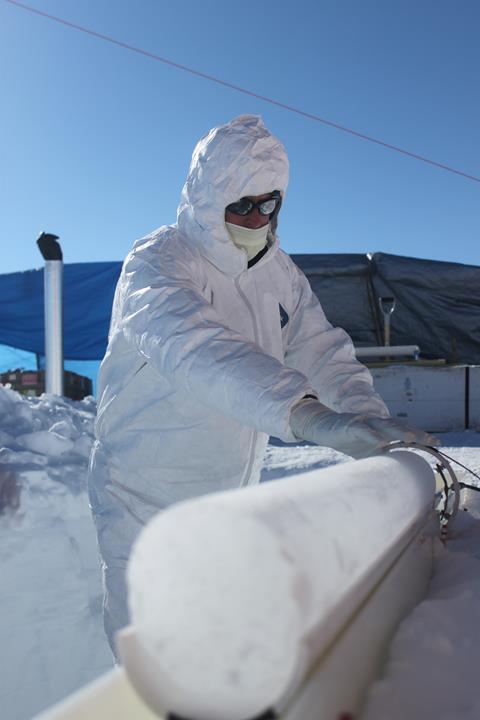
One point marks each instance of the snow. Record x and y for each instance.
(51, 634)
(433, 660)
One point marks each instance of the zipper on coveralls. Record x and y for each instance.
(255, 335)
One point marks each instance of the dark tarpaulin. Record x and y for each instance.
(343, 285)
(438, 304)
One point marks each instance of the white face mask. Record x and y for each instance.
(248, 239)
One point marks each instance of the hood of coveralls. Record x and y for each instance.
(239, 159)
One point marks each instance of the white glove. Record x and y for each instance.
(352, 434)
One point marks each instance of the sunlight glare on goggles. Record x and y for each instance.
(244, 206)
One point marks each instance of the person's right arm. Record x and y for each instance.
(353, 434)
(165, 317)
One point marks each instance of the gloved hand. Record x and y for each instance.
(350, 433)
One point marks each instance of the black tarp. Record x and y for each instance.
(437, 304)
(343, 284)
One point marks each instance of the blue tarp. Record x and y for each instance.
(88, 296)
(438, 303)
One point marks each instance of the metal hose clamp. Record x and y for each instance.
(448, 506)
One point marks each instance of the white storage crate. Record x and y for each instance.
(430, 397)
(474, 397)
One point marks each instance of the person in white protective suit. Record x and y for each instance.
(216, 342)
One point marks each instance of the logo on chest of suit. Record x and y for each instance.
(283, 316)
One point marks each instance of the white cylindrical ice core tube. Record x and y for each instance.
(233, 596)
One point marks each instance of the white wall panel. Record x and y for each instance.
(432, 398)
(474, 397)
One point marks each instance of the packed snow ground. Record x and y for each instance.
(51, 635)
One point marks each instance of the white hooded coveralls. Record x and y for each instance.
(206, 357)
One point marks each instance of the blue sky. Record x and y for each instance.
(95, 141)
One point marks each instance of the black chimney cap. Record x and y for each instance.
(49, 247)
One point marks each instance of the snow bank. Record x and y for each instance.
(432, 666)
(51, 633)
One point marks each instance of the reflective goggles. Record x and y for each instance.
(245, 206)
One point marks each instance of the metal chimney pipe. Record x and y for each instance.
(387, 306)
(53, 288)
